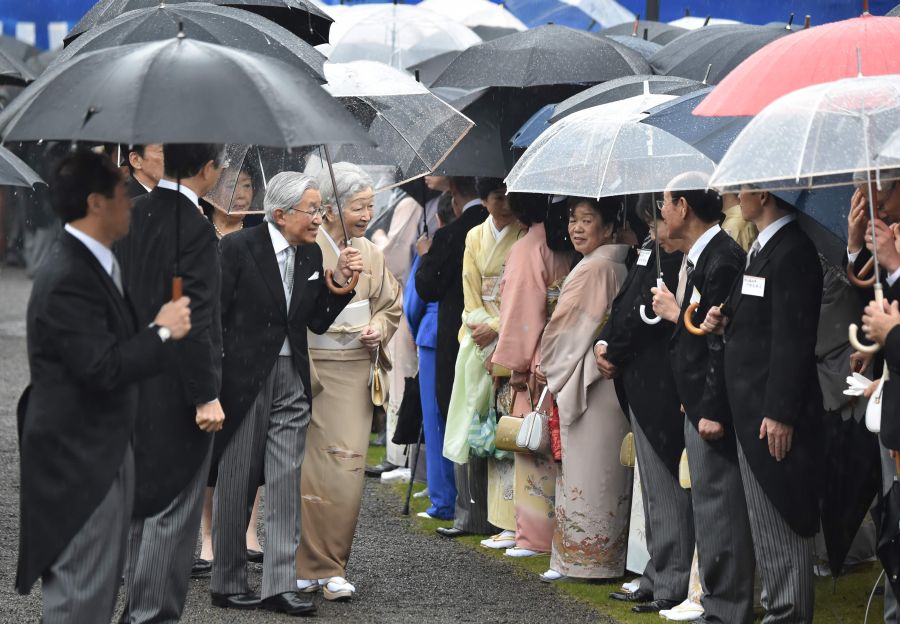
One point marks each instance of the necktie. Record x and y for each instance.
(684, 275)
(116, 275)
(289, 254)
(754, 249)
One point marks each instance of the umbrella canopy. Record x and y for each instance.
(414, 129)
(605, 151)
(430, 69)
(183, 85)
(546, 55)
(400, 36)
(895, 12)
(625, 87)
(692, 22)
(19, 50)
(301, 17)
(817, 136)
(581, 14)
(711, 135)
(657, 32)
(723, 47)
(201, 21)
(641, 46)
(14, 171)
(13, 71)
(474, 13)
(813, 56)
(533, 128)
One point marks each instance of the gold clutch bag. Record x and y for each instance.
(627, 454)
(507, 432)
(378, 382)
(684, 474)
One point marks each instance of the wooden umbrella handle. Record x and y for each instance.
(337, 290)
(689, 323)
(860, 281)
(177, 288)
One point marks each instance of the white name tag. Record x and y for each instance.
(755, 286)
(695, 296)
(643, 257)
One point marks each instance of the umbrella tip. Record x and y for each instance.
(646, 34)
(181, 34)
(806, 22)
(865, 7)
(706, 77)
(706, 21)
(417, 76)
(789, 22)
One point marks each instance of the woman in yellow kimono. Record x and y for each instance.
(332, 473)
(487, 248)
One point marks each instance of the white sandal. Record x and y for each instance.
(338, 588)
(552, 575)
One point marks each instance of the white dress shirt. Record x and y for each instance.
(174, 186)
(701, 243)
(280, 245)
(103, 253)
(772, 229)
(474, 202)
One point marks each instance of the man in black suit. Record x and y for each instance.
(77, 417)
(179, 409)
(770, 326)
(273, 290)
(635, 351)
(721, 525)
(439, 278)
(145, 164)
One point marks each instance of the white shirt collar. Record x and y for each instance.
(279, 242)
(772, 229)
(103, 253)
(334, 245)
(474, 202)
(174, 186)
(497, 233)
(701, 243)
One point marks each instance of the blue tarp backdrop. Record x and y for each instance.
(43, 20)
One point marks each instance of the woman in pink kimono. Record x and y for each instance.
(593, 490)
(529, 288)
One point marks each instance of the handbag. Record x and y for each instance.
(627, 454)
(378, 381)
(873, 408)
(534, 434)
(508, 428)
(409, 415)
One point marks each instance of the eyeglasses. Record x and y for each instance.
(318, 212)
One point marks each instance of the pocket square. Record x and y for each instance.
(312, 277)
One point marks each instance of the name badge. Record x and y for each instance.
(754, 286)
(695, 296)
(643, 257)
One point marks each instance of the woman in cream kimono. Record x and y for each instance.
(487, 247)
(528, 291)
(333, 467)
(593, 491)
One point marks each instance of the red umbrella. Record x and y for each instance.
(821, 54)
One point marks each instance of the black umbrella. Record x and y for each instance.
(14, 71)
(641, 46)
(191, 92)
(895, 12)
(14, 171)
(19, 50)
(489, 33)
(657, 32)
(301, 17)
(887, 512)
(721, 47)
(546, 55)
(621, 88)
(201, 21)
(431, 68)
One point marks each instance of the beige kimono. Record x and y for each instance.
(331, 481)
(593, 490)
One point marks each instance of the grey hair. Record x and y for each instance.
(285, 190)
(350, 181)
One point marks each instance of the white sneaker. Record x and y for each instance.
(520, 552)
(552, 575)
(308, 587)
(504, 539)
(338, 588)
(687, 611)
(630, 587)
(422, 494)
(425, 514)
(397, 475)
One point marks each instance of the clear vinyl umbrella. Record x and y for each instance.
(414, 129)
(474, 13)
(400, 35)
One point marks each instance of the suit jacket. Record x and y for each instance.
(169, 446)
(256, 318)
(890, 411)
(78, 415)
(770, 371)
(697, 360)
(639, 352)
(439, 278)
(135, 188)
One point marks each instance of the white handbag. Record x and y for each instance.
(534, 434)
(857, 386)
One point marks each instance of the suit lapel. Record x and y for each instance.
(260, 245)
(121, 304)
(758, 265)
(301, 277)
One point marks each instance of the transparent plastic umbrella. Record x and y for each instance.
(414, 129)
(400, 35)
(473, 13)
(603, 151)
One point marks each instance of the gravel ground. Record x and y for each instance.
(400, 575)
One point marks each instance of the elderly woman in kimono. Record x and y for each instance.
(333, 468)
(593, 490)
(487, 248)
(528, 291)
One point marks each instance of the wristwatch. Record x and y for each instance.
(164, 333)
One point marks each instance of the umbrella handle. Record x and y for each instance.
(853, 330)
(689, 324)
(650, 320)
(860, 280)
(337, 290)
(177, 288)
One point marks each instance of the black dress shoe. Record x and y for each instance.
(641, 595)
(450, 532)
(250, 600)
(655, 607)
(201, 568)
(375, 471)
(254, 556)
(290, 603)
